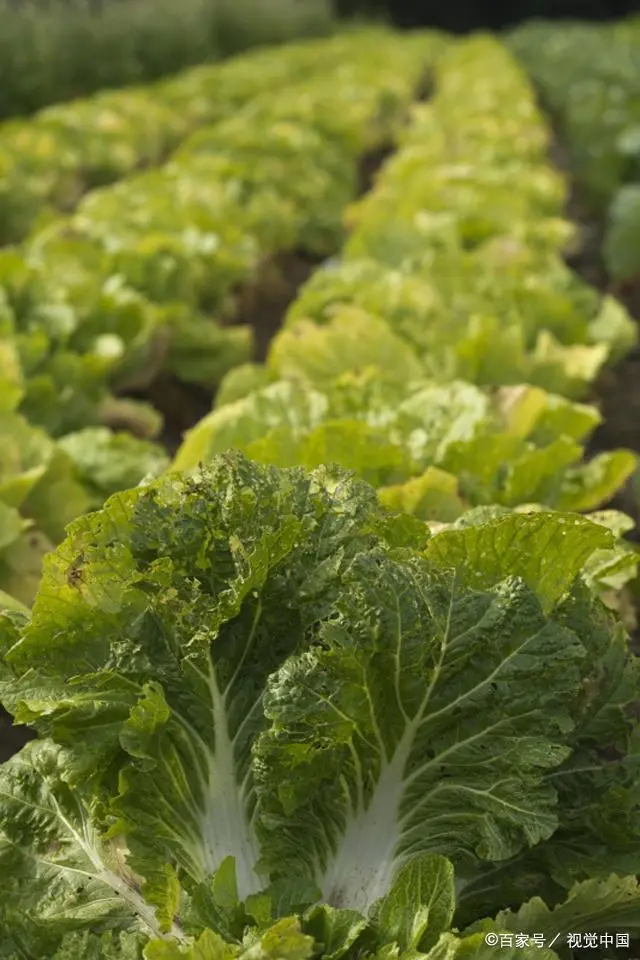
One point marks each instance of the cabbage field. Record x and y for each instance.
(319, 438)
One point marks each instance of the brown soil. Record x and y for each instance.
(12, 739)
(264, 306)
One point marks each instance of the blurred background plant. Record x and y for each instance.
(55, 50)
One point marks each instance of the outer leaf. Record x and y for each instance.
(353, 340)
(11, 525)
(352, 444)
(26, 454)
(610, 570)
(476, 947)
(210, 946)
(589, 486)
(240, 382)
(372, 770)
(283, 941)
(431, 496)
(11, 381)
(108, 946)
(58, 873)
(606, 571)
(21, 565)
(548, 550)
(420, 905)
(202, 352)
(335, 931)
(250, 418)
(58, 498)
(178, 600)
(106, 462)
(614, 325)
(598, 787)
(622, 241)
(8, 602)
(611, 904)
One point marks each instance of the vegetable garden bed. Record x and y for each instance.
(286, 709)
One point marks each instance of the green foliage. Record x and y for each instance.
(522, 446)
(622, 242)
(273, 718)
(45, 484)
(286, 709)
(143, 275)
(589, 78)
(50, 52)
(450, 279)
(49, 160)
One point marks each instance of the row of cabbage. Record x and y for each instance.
(48, 161)
(278, 720)
(588, 77)
(442, 355)
(142, 277)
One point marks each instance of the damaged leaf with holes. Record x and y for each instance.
(259, 694)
